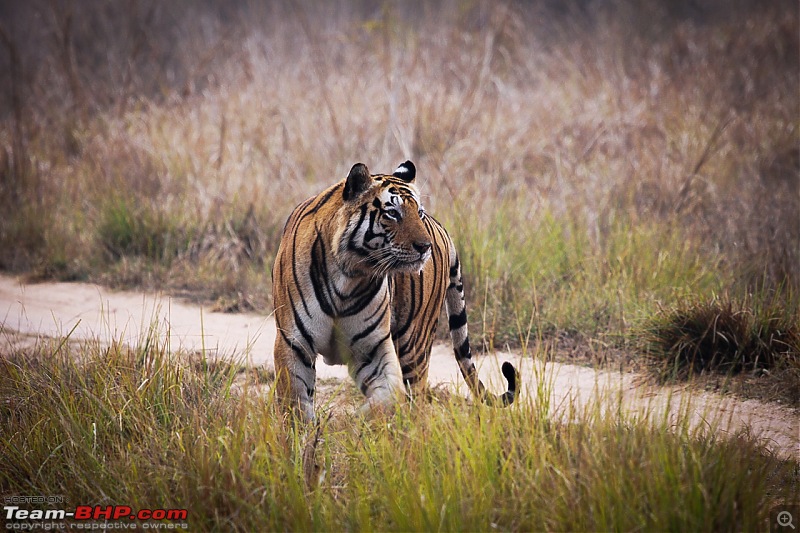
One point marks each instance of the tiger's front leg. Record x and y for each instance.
(295, 375)
(373, 362)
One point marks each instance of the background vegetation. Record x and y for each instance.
(593, 160)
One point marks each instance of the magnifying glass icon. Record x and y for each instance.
(785, 519)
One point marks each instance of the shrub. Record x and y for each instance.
(724, 335)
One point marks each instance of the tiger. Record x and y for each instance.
(360, 277)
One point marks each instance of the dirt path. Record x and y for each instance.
(90, 311)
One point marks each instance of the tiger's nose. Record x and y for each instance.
(422, 247)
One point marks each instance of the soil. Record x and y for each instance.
(86, 311)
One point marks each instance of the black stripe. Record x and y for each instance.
(369, 234)
(322, 201)
(422, 356)
(369, 329)
(369, 379)
(303, 331)
(371, 355)
(426, 311)
(294, 274)
(457, 321)
(351, 242)
(454, 268)
(360, 297)
(416, 376)
(463, 351)
(318, 271)
(296, 215)
(304, 357)
(412, 309)
(359, 290)
(360, 304)
(357, 299)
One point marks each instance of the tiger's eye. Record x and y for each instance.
(394, 214)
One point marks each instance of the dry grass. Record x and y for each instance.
(594, 162)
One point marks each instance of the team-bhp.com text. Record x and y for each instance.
(96, 517)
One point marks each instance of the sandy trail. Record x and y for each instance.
(90, 311)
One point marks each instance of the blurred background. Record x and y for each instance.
(600, 164)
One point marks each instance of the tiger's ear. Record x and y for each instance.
(358, 181)
(406, 172)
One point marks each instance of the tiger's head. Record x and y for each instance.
(381, 228)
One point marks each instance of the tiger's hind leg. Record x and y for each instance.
(295, 376)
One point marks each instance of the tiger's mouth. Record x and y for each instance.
(411, 262)
(385, 261)
(399, 261)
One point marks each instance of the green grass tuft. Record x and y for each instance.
(127, 228)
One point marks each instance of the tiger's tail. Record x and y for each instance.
(457, 314)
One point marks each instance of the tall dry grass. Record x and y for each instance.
(591, 160)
